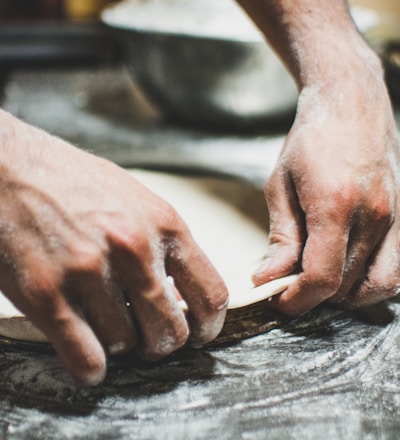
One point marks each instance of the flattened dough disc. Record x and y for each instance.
(228, 219)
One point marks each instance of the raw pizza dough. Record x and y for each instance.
(228, 219)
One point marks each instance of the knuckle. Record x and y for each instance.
(340, 197)
(169, 216)
(41, 285)
(382, 211)
(344, 191)
(135, 241)
(122, 235)
(87, 258)
(130, 239)
(347, 196)
(41, 289)
(172, 227)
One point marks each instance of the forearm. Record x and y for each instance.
(316, 39)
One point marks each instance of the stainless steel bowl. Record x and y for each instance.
(198, 74)
(204, 61)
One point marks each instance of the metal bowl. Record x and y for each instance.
(204, 61)
(209, 74)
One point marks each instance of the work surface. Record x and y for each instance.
(330, 374)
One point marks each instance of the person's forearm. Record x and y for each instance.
(313, 37)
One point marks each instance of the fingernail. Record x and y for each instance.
(263, 266)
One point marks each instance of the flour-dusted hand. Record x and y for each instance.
(333, 195)
(86, 251)
(332, 201)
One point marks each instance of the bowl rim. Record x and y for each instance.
(108, 17)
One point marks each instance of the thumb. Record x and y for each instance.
(286, 232)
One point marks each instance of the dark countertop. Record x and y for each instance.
(331, 374)
(326, 374)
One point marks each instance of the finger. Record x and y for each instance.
(363, 242)
(90, 287)
(162, 322)
(107, 312)
(72, 338)
(200, 286)
(38, 297)
(78, 348)
(323, 260)
(287, 230)
(331, 264)
(139, 266)
(382, 279)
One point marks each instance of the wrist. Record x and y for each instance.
(317, 41)
(359, 74)
(338, 61)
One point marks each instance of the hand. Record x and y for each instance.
(86, 251)
(333, 198)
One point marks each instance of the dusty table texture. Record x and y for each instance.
(331, 374)
(328, 374)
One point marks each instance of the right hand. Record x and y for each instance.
(334, 197)
(80, 238)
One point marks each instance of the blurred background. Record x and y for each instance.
(226, 78)
(49, 32)
(163, 83)
(40, 9)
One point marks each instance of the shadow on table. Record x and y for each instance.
(37, 381)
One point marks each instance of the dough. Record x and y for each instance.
(227, 218)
